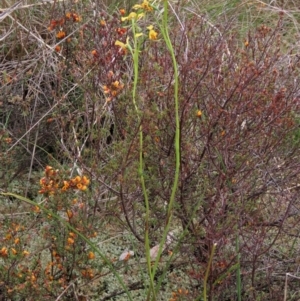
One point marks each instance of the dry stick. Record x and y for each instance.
(285, 286)
(64, 291)
(6, 12)
(13, 215)
(5, 35)
(31, 162)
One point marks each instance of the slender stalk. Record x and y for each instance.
(238, 271)
(135, 55)
(207, 272)
(165, 33)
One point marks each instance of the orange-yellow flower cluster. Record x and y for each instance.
(25, 253)
(71, 238)
(57, 49)
(121, 30)
(78, 182)
(12, 241)
(177, 295)
(88, 273)
(55, 23)
(49, 183)
(75, 17)
(91, 255)
(113, 89)
(4, 252)
(8, 140)
(122, 11)
(199, 113)
(60, 35)
(59, 22)
(53, 182)
(95, 53)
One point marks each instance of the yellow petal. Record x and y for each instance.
(152, 35)
(140, 16)
(137, 6)
(121, 44)
(138, 35)
(131, 16)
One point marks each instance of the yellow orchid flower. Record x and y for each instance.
(152, 33)
(124, 46)
(145, 6)
(121, 44)
(133, 16)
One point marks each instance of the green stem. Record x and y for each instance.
(207, 272)
(135, 55)
(238, 271)
(165, 33)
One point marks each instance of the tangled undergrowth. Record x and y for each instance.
(124, 126)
